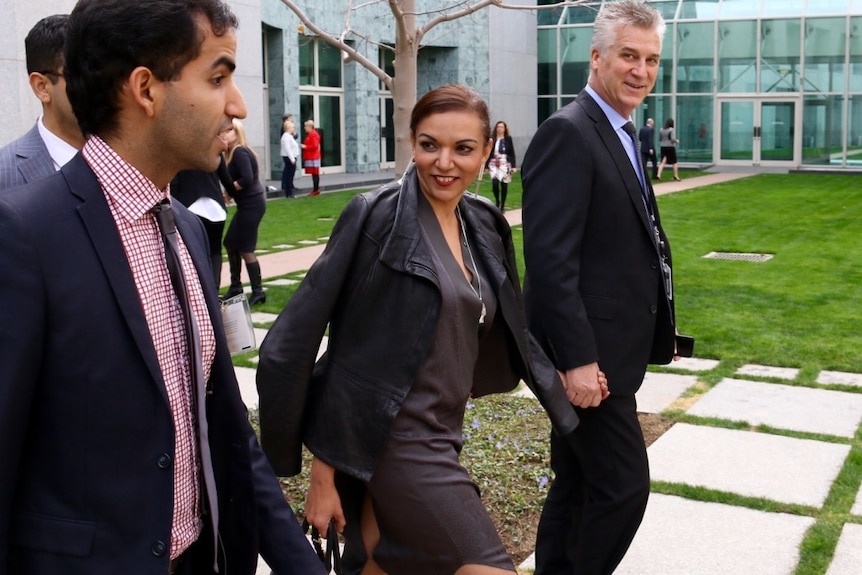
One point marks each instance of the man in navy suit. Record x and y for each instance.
(126, 445)
(598, 292)
(55, 138)
(646, 135)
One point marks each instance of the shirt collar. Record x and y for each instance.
(617, 121)
(133, 194)
(59, 149)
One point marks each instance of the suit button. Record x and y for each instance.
(653, 309)
(164, 461)
(159, 548)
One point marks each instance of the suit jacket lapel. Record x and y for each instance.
(34, 160)
(619, 156)
(105, 240)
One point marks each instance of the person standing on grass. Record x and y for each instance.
(311, 156)
(289, 154)
(598, 292)
(240, 240)
(646, 136)
(501, 164)
(126, 445)
(419, 287)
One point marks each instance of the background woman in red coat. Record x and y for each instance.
(311, 155)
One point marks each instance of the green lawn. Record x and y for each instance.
(802, 309)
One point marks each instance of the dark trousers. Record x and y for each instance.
(647, 157)
(599, 494)
(287, 177)
(500, 189)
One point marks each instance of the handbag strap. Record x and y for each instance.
(331, 557)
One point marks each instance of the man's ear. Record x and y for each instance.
(143, 90)
(41, 86)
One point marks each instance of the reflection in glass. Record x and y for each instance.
(854, 132)
(779, 61)
(694, 128)
(737, 125)
(306, 61)
(825, 42)
(664, 76)
(575, 58)
(739, 9)
(856, 54)
(582, 14)
(822, 130)
(329, 72)
(695, 61)
(774, 8)
(698, 9)
(737, 56)
(777, 128)
(330, 130)
(546, 107)
(827, 7)
(547, 61)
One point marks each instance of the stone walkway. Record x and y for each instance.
(794, 463)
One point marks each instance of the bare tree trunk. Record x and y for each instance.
(404, 80)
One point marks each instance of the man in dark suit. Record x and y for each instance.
(126, 445)
(646, 135)
(55, 138)
(598, 292)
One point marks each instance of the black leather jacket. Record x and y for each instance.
(376, 288)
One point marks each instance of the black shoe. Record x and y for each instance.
(233, 291)
(257, 297)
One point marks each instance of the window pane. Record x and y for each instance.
(737, 54)
(774, 8)
(659, 108)
(329, 73)
(779, 65)
(825, 42)
(856, 54)
(827, 6)
(664, 76)
(699, 9)
(583, 14)
(695, 63)
(575, 58)
(548, 16)
(694, 128)
(739, 9)
(386, 62)
(854, 132)
(306, 61)
(547, 61)
(330, 130)
(667, 8)
(737, 124)
(546, 107)
(822, 130)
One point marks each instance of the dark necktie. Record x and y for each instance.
(164, 214)
(630, 130)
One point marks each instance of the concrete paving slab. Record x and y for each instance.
(783, 406)
(693, 364)
(284, 246)
(747, 463)
(261, 317)
(245, 376)
(683, 537)
(659, 390)
(768, 371)
(308, 242)
(848, 554)
(840, 378)
(259, 334)
(281, 282)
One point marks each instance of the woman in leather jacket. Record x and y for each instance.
(420, 292)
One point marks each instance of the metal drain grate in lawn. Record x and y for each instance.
(738, 256)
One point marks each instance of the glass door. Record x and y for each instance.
(387, 133)
(758, 132)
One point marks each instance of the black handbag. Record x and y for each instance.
(331, 556)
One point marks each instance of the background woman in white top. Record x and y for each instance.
(289, 153)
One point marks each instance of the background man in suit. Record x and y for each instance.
(55, 138)
(646, 135)
(126, 445)
(598, 292)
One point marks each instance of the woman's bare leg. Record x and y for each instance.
(482, 570)
(370, 537)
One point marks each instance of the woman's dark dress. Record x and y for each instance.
(250, 201)
(429, 512)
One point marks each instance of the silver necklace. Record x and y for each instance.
(475, 269)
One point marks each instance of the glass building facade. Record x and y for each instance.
(747, 82)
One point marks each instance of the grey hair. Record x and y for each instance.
(624, 13)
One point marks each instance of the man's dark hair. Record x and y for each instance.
(107, 39)
(43, 46)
